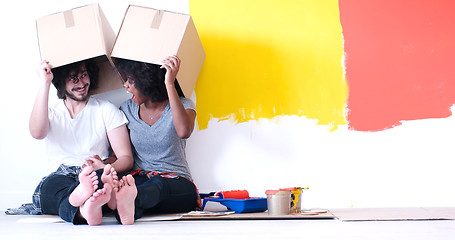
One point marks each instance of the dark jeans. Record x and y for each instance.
(155, 195)
(164, 195)
(54, 196)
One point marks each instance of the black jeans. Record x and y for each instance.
(155, 195)
(164, 195)
(55, 191)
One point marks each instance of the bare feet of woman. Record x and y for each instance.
(88, 183)
(92, 210)
(109, 176)
(126, 195)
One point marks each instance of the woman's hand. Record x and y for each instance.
(183, 119)
(94, 161)
(172, 65)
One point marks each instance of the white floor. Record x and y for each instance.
(42, 227)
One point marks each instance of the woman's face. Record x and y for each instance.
(131, 88)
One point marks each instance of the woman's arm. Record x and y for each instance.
(121, 146)
(183, 118)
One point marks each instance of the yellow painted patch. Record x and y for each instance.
(270, 58)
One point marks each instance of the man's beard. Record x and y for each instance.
(78, 99)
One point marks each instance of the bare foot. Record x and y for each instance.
(88, 183)
(125, 199)
(109, 176)
(91, 210)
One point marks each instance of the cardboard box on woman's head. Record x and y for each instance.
(150, 35)
(79, 34)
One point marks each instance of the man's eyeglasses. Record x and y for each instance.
(77, 77)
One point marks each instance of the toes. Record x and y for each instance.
(107, 169)
(121, 183)
(130, 179)
(87, 170)
(94, 178)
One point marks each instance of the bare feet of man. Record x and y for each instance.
(109, 176)
(125, 199)
(88, 183)
(92, 210)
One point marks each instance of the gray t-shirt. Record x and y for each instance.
(157, 147)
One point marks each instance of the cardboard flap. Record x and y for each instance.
(192, 52)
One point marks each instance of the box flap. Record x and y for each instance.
(190, 48)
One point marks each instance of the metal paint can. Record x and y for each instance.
(278, 202)
(296, 200)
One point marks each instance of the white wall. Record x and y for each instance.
(410, 165)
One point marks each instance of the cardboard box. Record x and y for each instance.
(150, 35)
(79, 34)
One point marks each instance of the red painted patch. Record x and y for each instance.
(400, 61)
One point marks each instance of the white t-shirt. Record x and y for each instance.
(69, 141)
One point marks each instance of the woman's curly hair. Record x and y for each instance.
(148, 78)
(62, 73)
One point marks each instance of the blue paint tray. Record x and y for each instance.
(241, 205)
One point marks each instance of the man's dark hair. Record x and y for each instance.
(148, 78)
(62, 73)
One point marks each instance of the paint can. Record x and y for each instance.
(278, 202)
(296, 200)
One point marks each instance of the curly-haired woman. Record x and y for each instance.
(160, 119)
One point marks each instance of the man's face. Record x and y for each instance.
(77, 85)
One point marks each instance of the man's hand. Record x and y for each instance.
(45, 73)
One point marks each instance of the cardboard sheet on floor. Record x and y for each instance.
(107, 220)
(38, 219)
(393, 214)
(260, 216)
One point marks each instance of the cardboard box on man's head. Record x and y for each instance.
(79, 34)
(150, 35)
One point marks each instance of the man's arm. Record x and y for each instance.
(121, 146)
(39, 119)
